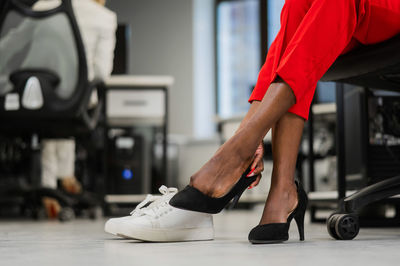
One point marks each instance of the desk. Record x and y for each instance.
(138, 101)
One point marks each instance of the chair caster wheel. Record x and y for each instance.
(343, 226)
(66, 214)
(330, 225)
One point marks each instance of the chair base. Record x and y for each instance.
(344, 224)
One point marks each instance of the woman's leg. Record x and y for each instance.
(219, 174)
(381, 22)
(282, 198)
(313, 34)
(323, 33)
(49, 163)
(213, 180)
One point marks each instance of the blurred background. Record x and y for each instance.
(171, 82)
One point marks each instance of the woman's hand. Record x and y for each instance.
(257, 165)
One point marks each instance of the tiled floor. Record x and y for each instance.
(83, 242)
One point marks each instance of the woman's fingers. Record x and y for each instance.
(256, 182)
(258, 165)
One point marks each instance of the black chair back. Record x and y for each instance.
(43, 72)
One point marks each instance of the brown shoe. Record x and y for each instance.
(52, 207)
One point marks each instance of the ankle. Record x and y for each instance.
(284, 186)
(283, 192)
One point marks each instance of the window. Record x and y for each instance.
(274, 18)
(242, 42)
(241, 50)
(325, 92)
(238, 54)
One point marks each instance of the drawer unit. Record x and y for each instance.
(137, 103)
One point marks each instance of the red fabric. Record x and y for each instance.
(314, 33)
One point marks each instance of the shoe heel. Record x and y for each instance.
(234, 201)
(299, 218)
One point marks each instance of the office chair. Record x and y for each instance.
(44, 86)
(375, 67)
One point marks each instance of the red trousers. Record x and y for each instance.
(314, 33)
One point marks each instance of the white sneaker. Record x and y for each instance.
(160, 222)
(113, 224)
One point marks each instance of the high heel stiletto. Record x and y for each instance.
(278, 232)
(193, 199)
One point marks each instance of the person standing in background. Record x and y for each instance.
(97, 26)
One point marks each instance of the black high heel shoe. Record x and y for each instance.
(278, 232)
(193, 199)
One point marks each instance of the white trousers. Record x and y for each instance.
(58, 160)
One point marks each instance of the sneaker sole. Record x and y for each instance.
(110, 231)
(162, 235)
(267, 241)
(113, 227)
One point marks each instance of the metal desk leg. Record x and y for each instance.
(311, 159)
(340, 142)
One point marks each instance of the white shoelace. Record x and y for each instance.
(146, 203)
(154, 203)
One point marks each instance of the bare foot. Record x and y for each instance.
(224, 169)
(282, 200)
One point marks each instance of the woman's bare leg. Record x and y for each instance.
(223, 170)
(282, 198)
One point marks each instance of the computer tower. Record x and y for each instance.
(383, 154)
(372, 133)
(126, 174)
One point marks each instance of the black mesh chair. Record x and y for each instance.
(44, 85)
(44, 82)
(375, 67)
